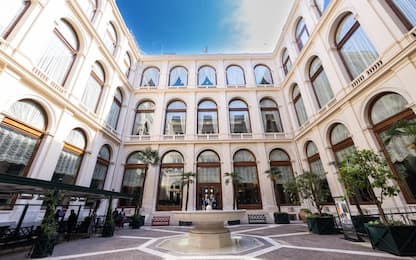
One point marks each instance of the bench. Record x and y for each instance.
(160, 221)
(14, 238)
(257, 219)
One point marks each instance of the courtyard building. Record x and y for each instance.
(80, 101)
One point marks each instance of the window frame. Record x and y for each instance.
(302, 31)
(207, 110)
(403, 19)
(10, 27)
(276, 109)
(245, 109)
(169, 110)
(242, 71)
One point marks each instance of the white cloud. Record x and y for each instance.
(257, 24)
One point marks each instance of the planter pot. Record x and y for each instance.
(303, 213)
(44, 246)
(233, 222)
(281, 218)
(136, 223)
(185, 223)
(321, 225)
(108, 230)
(398, 240)
(359, 221)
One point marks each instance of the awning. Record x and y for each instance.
(13, 184)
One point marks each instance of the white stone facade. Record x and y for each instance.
(20, 78)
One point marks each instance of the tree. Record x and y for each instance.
(291, 189)
(309, 185)
(186, 180)
(274, 174)
(363, 169)
(234, 178)
(147, 157)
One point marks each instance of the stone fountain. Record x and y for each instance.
(209, 231)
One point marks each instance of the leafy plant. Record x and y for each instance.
(49, 226)
(291, 189)
(274, 174)
(234, 178)
(310, 186)
(365, 170)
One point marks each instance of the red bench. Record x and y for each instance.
(160, 221)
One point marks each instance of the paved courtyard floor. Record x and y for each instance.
(270, 242)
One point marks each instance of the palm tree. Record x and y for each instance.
(274, 174)
(147, 157)
(186, 179)
(234, 178)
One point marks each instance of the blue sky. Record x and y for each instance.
(188, 26)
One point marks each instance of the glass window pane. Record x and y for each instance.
(172, 157)
(311, 149)
(244, 156)
(208, 175)
(76, 138)
(28, 112)
(91, 94)
(105, 153)
(301, 111)
(271, 121)
(239, 122)
(279, 155)
(134, 158)
(98, 177)
(208, 156)
(175, 123)
(9, 13)
(150, 77)
(235, 76)
(339, 133)
(177, 105)
(386, 107)
(320, 83)
(408, 9)
(133, 180)
(207, 122)
(207, 104)
(170, 193)
(178, 77)
(322, 5)
(67, 167)
(206, 76)
(16, 151)
(263, 75)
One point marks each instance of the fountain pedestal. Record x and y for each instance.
(209, 231)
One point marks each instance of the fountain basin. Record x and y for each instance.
(209, 231)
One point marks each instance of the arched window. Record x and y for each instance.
(355, 49)
(178, 77)
(21, 132)
(207, 76)
(299, 106)
(94, 87)
(175, 122)
(208, 180)
(89, 7)
(405, 10)
(239, 117)
(302, 34)
(280, 160)
(70, 159)
(169, 195)
(322, 5)
(270, 115)
(385, 111)
(342, 145)
(248, 189)
(59, 55)
(144, 118)
(150, 77)
(207, 117)
(114, 114)
(133, 180)
(110, 38)
(320, 83)
(235, 76)
(316, 166)
(127, 64)
(101, 168)
(10, 15)
(263, 75)
(286, 62)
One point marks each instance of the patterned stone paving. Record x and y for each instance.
(274, 242)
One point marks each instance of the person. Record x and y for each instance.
(91, 225)
(57, 215)
(71, 223)
(122, 217)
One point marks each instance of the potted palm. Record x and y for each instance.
(387, 235)
(109, 226)
(234, 178)
(279, 217)
(187, 178)
(48, 237)
(148, 157)
(310, 187)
